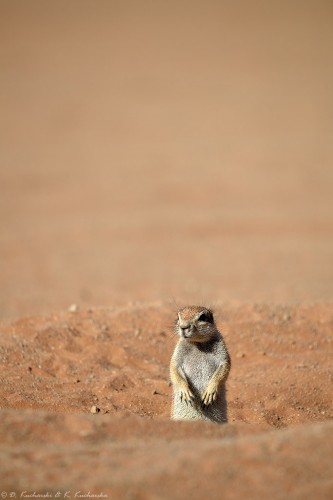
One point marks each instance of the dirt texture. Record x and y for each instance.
(58, 369)
(154, 155)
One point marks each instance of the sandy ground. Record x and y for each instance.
(56, 368)
(154, 154)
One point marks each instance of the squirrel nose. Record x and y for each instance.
(185, 329)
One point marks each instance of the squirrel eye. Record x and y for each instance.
(205, 317)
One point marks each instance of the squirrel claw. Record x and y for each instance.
(209, 397)
(187, 396)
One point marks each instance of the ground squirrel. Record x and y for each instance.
(199, 367)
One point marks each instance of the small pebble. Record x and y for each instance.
(73, 308)
(240, 355)
(94, 409)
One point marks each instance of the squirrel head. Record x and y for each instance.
(196, 324)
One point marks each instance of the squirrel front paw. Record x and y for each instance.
(186, 395)
(210, 395)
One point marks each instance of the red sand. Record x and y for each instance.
(117, 360)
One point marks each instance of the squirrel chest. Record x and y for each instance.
(199, 362)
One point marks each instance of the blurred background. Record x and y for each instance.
(154, 150)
